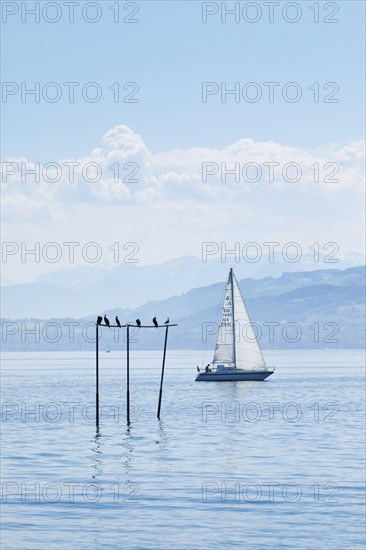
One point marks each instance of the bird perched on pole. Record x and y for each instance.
(99, 320)
(155, 322)
(117, 322)
(167, 322)
(106, 320)
(138, 322)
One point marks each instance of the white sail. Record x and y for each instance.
(224, 351)
(248, 354)
(245, 353)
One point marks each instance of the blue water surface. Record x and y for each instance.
(274, 464)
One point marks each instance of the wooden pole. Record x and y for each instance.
(162, 372)
(128, 374)
(128, 365)
(97, 375)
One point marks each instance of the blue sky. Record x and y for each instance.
(169, 53)
(170, 132)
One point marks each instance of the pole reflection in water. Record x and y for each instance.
(162, 440)
(127, 451)
(97, 457)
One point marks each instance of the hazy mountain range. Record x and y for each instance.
(316, 309)
(82, 290)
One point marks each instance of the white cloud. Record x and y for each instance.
(170, 210)
(124, 170)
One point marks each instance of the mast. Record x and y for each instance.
(233, 315)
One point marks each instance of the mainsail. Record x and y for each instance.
(224, 351)
(236, 341)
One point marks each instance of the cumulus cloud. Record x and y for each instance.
(123, 170)
(172, 201)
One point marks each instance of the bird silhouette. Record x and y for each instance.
(138, 322)
(106, 321)
(99, 320)
(117, 322)
(155, 322)
(167, 322)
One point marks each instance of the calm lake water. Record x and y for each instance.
(274, 464)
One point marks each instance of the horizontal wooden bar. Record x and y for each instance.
(153, 326)
(130, 325)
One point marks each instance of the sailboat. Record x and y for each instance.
(237, 354)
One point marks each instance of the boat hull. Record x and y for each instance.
(233, 377)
